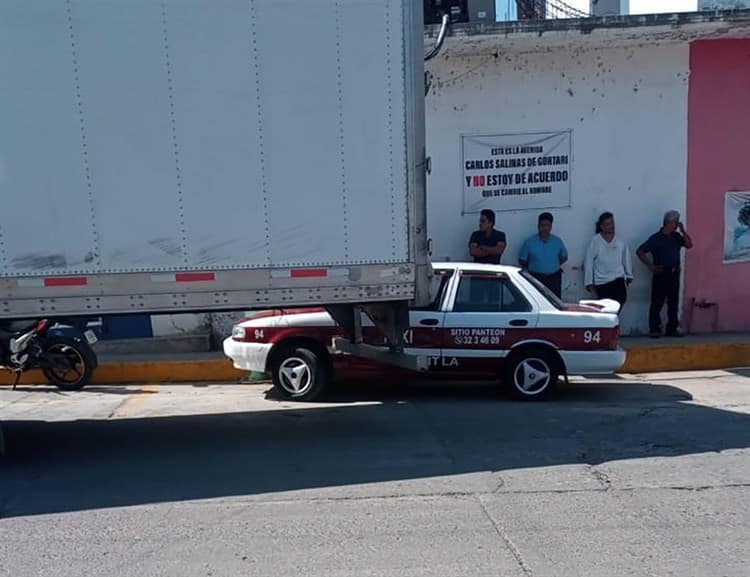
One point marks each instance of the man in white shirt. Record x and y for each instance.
(608, 269)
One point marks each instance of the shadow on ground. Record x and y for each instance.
(100, 389)
(401, 434)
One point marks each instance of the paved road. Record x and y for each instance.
(646, 476)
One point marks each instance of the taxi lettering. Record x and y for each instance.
(476, 336)
(446, 362)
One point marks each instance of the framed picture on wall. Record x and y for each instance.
(737, 227)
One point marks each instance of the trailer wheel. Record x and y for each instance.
(299, 374)
(531, 374)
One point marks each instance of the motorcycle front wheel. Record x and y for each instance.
(68, 363)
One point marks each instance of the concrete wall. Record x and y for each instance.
(723, 4)
(609, 7)
(627, 108)
(719, 128)
(182, 324)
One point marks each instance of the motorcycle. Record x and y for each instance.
(68, 362)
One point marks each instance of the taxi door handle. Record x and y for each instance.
(429, 322)
(519, 322)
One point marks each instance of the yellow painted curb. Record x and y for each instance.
(168, 372)
(210, 370)
(642, 358)
(686, 357)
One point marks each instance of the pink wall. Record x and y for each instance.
(718, 161)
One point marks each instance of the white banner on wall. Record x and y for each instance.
(516, 171)
(737, 227)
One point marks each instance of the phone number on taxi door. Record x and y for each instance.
(477, 336)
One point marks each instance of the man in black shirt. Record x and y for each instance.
(664, 248)
(487, 244)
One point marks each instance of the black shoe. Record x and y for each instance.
(675, 334)
(655, 334)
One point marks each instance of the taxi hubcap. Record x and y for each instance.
(532, 376)
(295, 375)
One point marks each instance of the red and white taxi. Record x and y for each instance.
(486, 321)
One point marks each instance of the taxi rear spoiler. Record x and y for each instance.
(604, 305)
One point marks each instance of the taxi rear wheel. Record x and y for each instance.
(531, 374)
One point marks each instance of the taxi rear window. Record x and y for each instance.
(553, 299)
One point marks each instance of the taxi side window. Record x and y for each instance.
(437, 290)
(489, 294)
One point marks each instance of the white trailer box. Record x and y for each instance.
(196, 155)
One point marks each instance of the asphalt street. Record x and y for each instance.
(646, 475)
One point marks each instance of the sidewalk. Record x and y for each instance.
(645, 355)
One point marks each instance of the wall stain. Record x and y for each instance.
(36, 261)
(170, 246)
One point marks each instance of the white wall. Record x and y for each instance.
(627, 108)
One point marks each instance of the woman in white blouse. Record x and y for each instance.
(608, 269)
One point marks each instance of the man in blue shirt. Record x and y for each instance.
(665, 247)
(543, 254)
(487, 245)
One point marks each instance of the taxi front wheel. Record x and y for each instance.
(298, 373)
(531, 374)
